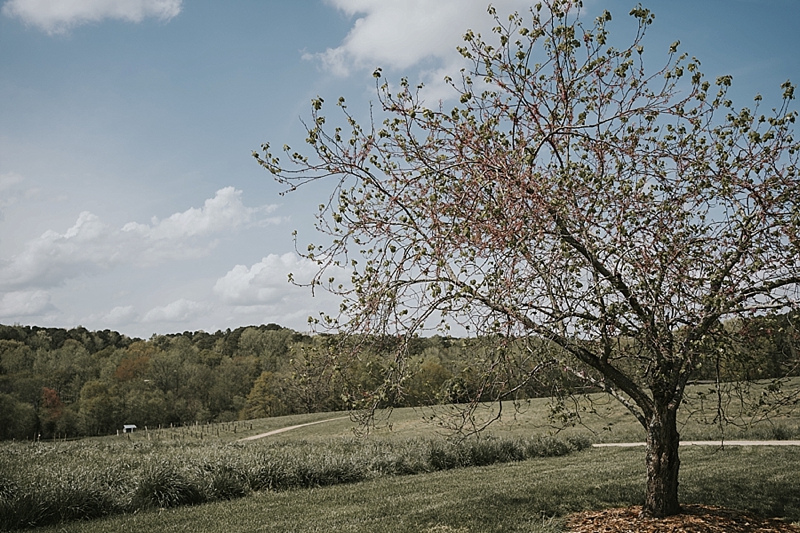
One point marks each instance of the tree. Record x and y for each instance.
(17, 419)
(262, 402)
(98, 408)
(427, 385)
(616, 216)
(50, 412)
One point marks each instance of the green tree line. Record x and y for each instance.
(75, 382)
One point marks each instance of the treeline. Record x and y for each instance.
(67, 383)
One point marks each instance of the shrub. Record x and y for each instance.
(490, 451)
(269, 474)
(59, 483)
(163, 485)
(442, 456)
(226, 484)
(57, 500)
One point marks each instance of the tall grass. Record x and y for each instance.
(47, 483)
(517, 497)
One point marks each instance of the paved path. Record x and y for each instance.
(289, 428)
(707, 443)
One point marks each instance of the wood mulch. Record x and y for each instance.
(693, 519)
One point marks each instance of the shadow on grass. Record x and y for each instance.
(757, 480)
(761, 480)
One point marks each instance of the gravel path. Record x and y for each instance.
(289, 428)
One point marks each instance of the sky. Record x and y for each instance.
(129, 199)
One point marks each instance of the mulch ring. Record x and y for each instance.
(693, 519)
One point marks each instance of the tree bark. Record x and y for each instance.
(661, 497)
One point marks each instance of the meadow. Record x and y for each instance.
(523, 474)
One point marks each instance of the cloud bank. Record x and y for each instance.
(257, 294)
(118, 316)
(178, 311)
(266, 282)
(59, 16)
(91, 246)
(25, 303)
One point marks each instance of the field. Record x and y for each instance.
(404, 476)
(526, 496)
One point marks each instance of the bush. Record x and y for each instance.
(163, 485)
(226, 483)
(46, 484)
(59, 500)
(490, 451)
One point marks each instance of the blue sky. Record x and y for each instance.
(128, 196)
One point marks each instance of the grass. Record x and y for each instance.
(602, 419)
(153, 473)
(48, 483)
(529, 496)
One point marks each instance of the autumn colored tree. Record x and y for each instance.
(616, 214)
(50, 411)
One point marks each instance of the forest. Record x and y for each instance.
(64, 383)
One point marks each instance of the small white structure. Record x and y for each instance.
(129, 428)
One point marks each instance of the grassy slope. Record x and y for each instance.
(512, 497)
(501, 497)
(603, 420)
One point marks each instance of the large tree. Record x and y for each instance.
(573, 197)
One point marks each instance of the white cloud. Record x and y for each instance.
(263, 291)
(120, 315)
(399, 33)
(404, 33)
(184, 235)
(24, 303)
(90, 245)
(223, 211)
(59, 16)
(265, 282)
(178, 311)
(84, 248)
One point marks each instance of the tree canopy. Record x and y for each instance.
(615, 215)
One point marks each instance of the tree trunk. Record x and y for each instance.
(661, 498)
